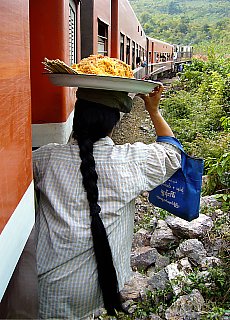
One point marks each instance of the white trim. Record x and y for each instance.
(14, 236)
(52, 132)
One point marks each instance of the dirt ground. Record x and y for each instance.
(134, 126)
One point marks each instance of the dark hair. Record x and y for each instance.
(91, 122)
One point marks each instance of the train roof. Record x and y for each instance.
(160, 41)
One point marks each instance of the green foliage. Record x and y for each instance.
(219, 174)
(200, 23)
(197, 108)
(211, 284)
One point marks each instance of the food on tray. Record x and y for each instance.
(57, 66)
(103, 65)
(94, 64)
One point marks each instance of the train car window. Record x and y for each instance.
(133, 55)
(150, 57)
(127, 50)
(102, 44)
(156, 57)
(72, 32)
(122, 47)
(137, 51)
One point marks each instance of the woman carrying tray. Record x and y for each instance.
(85, 217)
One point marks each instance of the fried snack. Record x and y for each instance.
(103, 65)
(57, 66)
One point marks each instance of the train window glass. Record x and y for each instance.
(72, 32)
(102, 43)
(127, 50)
(122, 47)
(150, 57)
(133, 54)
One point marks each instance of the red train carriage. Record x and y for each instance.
(159, 51)
(111, 28)
(160, 55)
(54, 33)
(16, 186)
(131, 35)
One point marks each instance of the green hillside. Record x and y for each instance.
(201, 23)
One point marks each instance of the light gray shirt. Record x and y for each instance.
(66, 263)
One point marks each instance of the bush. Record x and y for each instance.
(197, 107)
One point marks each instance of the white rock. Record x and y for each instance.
(133, 289)
(209, 262)
(192, 229)
(193, 249)
(186, 307)
(177, 273)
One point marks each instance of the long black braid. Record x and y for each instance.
(93, 121)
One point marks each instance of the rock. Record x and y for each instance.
(141, 238)
(162, 237)
(145, 194)
(186, 307)
(133, 289)
(143, 257)
(193, 249)
(158, 280)
(154, 317)
(177, 274)
(161, 262)
(216, 246)
(226, 315)
(129, 306)
(153, 223)
(210, 262)
(209, 201)
(138, 201)
(194, 229)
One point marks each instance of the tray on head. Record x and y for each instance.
(103, 82)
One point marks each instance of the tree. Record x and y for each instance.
(174, 8)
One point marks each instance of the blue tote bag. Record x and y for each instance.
(180, 194)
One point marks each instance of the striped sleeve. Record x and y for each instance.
(162, 161)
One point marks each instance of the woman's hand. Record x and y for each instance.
(152, 100)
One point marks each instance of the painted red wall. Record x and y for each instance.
(15, 111)
(49, 30)
(130, 26)
(162, 47)
(115, 29)
(128, 23)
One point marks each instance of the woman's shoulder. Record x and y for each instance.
(130, 152)
(48, 149)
